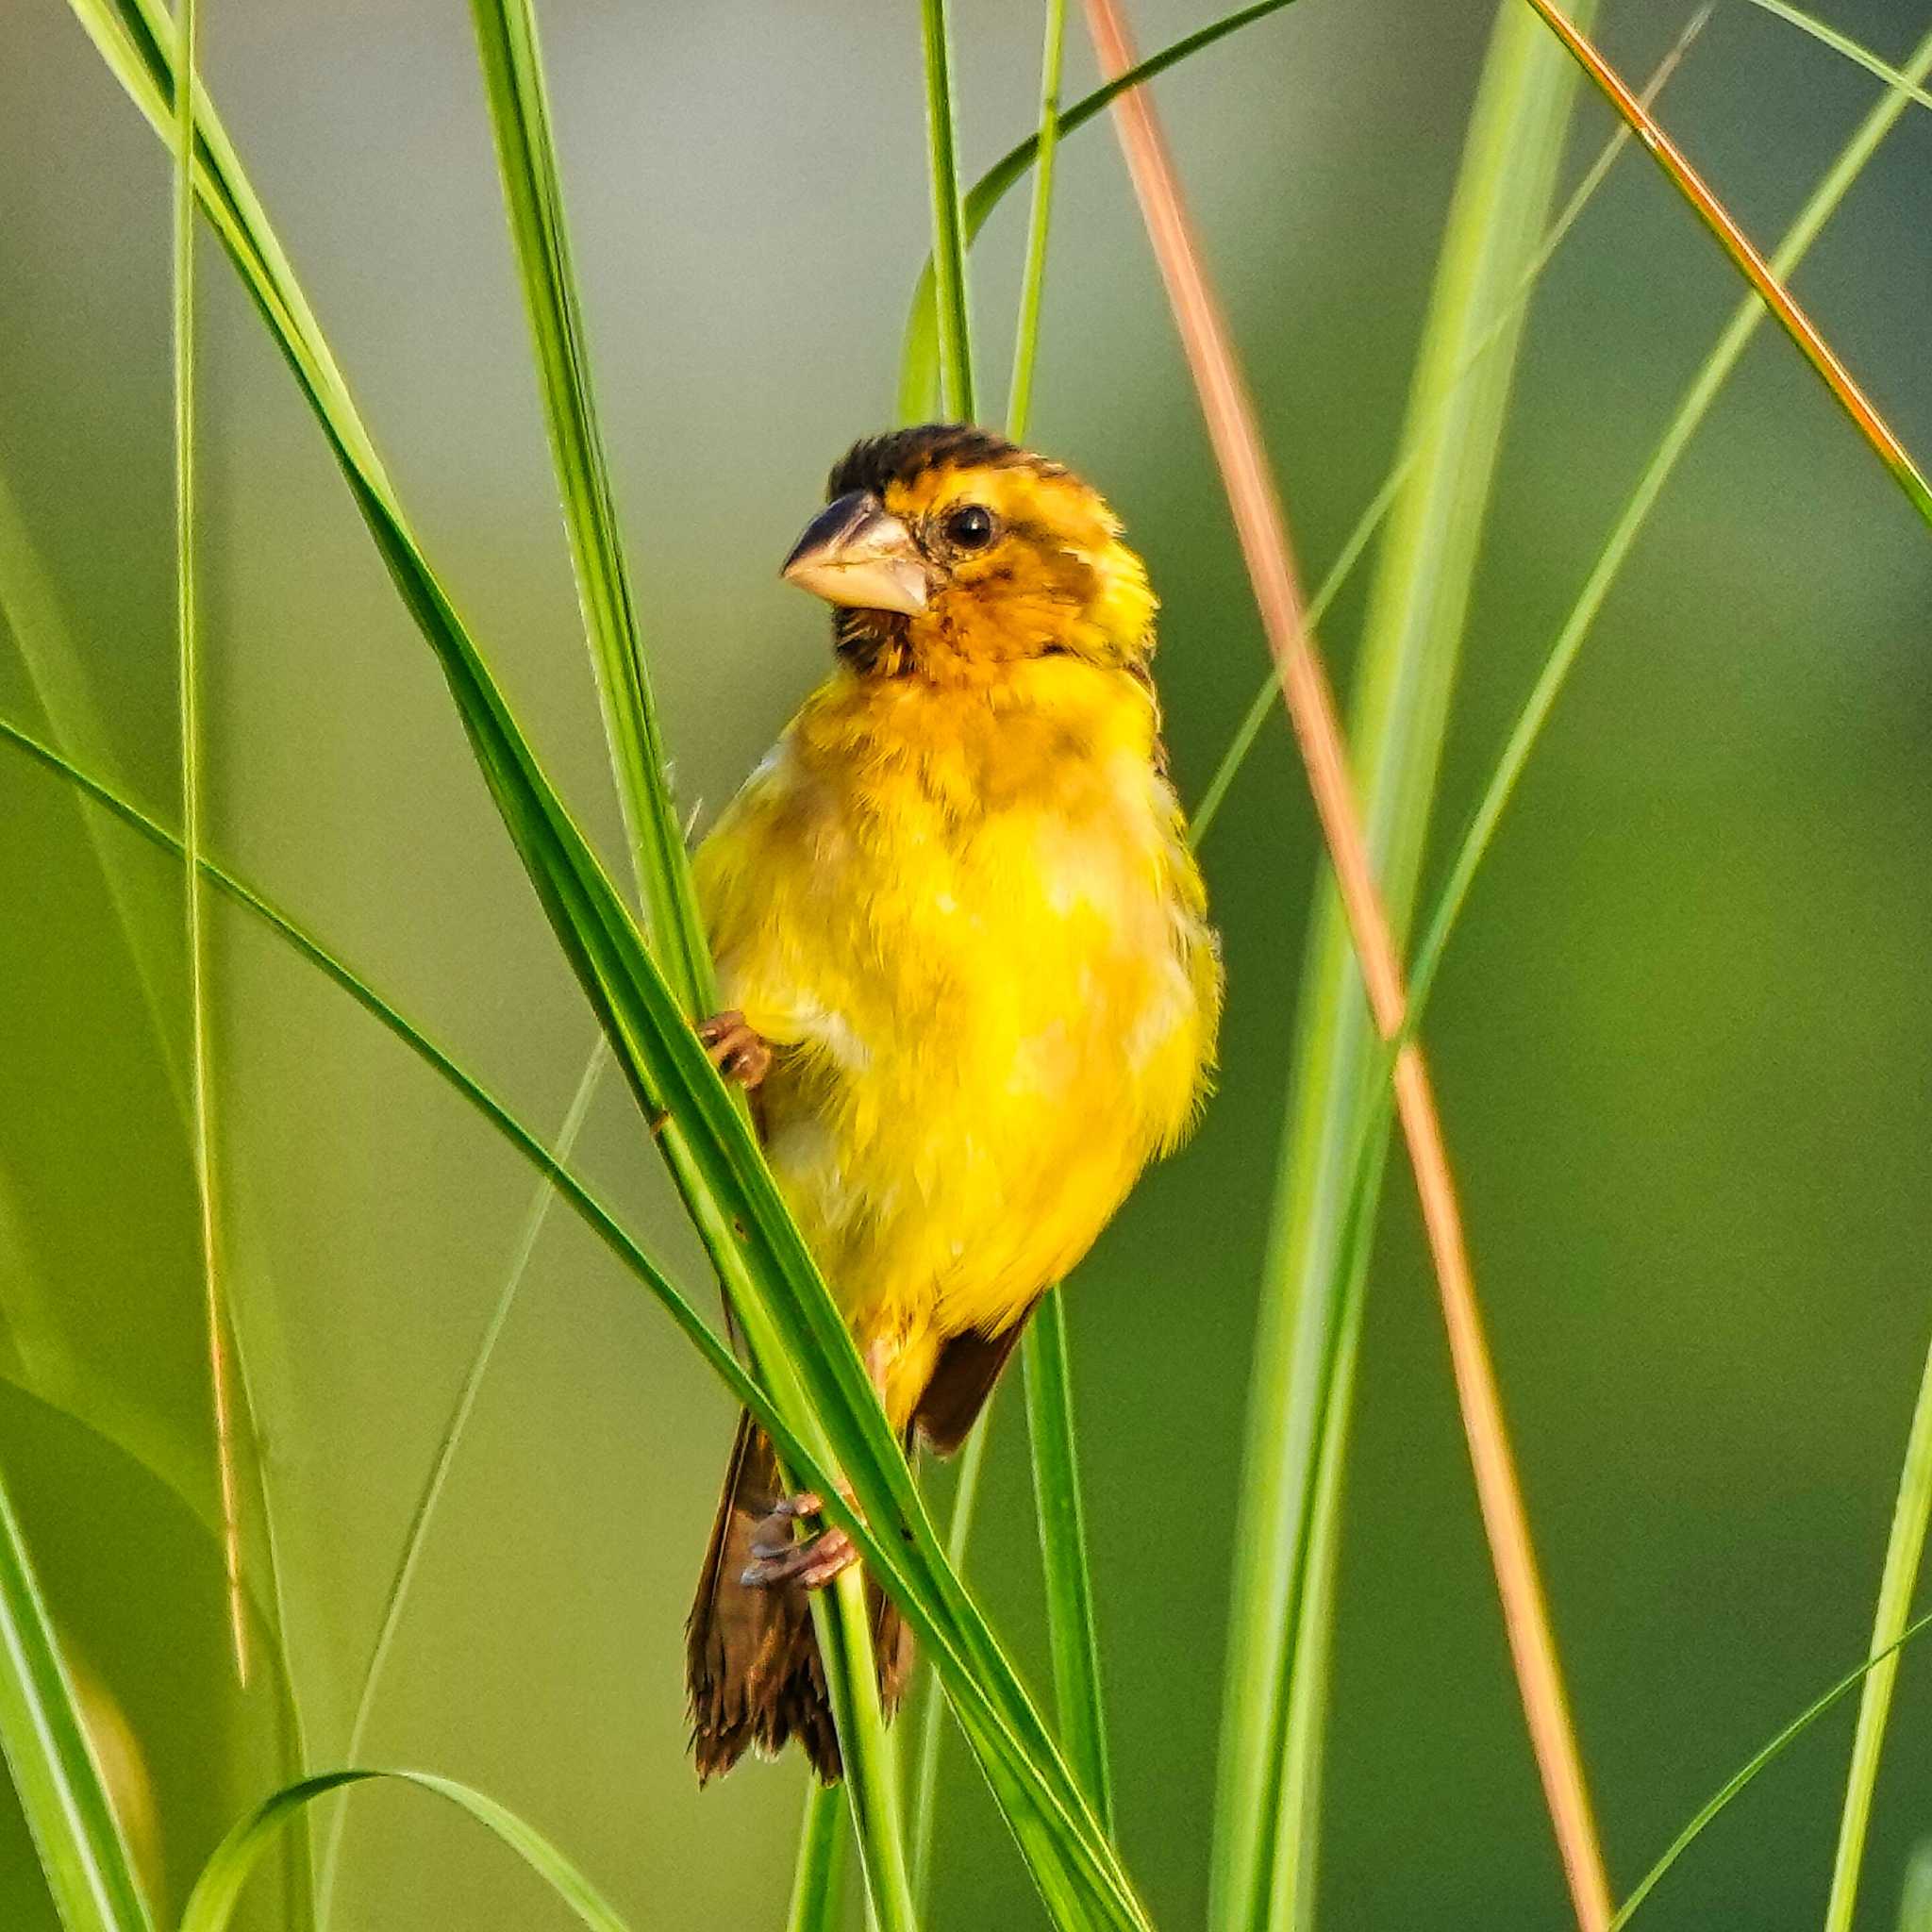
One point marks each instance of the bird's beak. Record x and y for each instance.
(855, 552)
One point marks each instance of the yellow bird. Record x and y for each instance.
(970, 977)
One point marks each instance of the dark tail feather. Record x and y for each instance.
(752, 1668)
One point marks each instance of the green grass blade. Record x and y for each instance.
(1072, 1629)
(1736, 1783)
(872, 1771)
(44, 1741)
(1744, 324)
(1072, 1623)
(948, 235)
(811, 1384)
(1033, 282)
(925, 1779)
(512, 65)
(218, 1891)
(1843, 43)
(58, 676)
(1903, 1550)
(309, 948)
(526, 156)
(201, 1081)
(818, 1881)
(1265, 1828)
(1265, 701)
(920, 395)
(416, 1535)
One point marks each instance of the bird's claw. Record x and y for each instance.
(735, 1048)
(812, 1563)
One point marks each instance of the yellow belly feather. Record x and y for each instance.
(965, 916)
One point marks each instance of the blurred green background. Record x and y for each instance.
(1681, 1040)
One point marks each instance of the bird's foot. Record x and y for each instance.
(737, 1051)
(812, 1563)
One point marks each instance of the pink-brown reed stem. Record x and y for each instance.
(1261, 527)
(1739, 246)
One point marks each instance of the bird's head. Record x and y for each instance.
(948, 552)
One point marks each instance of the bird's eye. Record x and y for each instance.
(970, 528)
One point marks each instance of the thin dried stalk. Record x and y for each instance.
(1739, 246)
(1261, 527)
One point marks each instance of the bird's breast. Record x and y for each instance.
(983, 958)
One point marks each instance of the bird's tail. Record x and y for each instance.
(752, 1668)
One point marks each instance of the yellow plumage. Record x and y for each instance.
(956, 902)
(968, 924)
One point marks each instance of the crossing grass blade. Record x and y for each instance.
(1746, 1773)
(43, 1738)
(1843, 43)
(201, 1080)
(810, 1382)
(1705, 387)
(1762, 276)
(1033, 280)
(1063, 1882)
(217, 1892)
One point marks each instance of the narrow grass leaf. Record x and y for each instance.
(416, 1536)
(1754, 269)
(1072, 1623)
(1747, 1773)
(1033, 279)
(949, 244)
(218, 1891)
(527, 158)
(1903, 1550)
(925, 1778)
(201, 1083)
(818, 1879)
(919, 391)
(43, 1738)
(806, 1360)
(1072, 1619)
(1843, 43)
(519, 114)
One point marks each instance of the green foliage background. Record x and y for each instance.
(1681, 1039)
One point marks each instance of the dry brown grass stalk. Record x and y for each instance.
(1262, 527)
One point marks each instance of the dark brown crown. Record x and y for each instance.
(905, 453)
